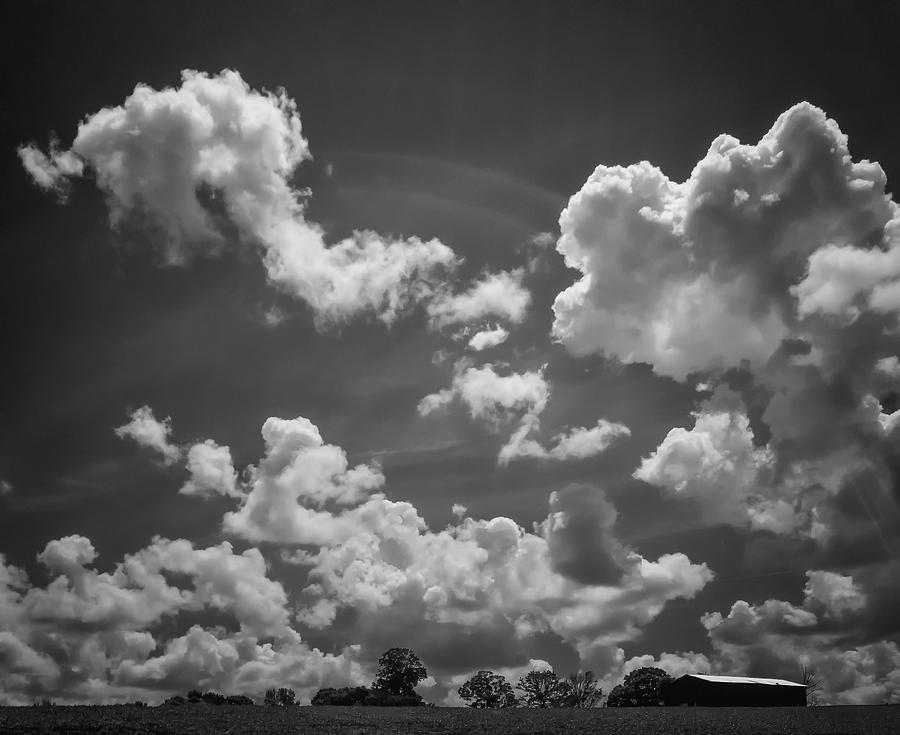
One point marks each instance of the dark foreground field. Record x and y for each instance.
(211, 720)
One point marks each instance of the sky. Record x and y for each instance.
(524, 335)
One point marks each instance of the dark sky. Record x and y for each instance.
(472, 123)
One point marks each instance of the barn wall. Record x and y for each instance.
(721, 694)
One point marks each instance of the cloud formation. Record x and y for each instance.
(180, 156)
(719, 269)
(211, 469)
(145, 429)
(487, 338)
(87, 636)
(825, 633)
(498, 295)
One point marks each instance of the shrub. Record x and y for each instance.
(343, 697)
(240, 699)
(176, 700)
(380, 699)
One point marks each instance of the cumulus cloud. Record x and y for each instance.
(145, 429)
(499, 295)
(177, 156)
(298, 477)
(487, 338)
(719, 269)
(490, 396)
(473, 581)
(211, 469)
(498, 399)
(778, 637)
(83, 637)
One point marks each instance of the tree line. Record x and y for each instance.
(400, 671)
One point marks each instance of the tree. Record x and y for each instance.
(281, 697)
(583, 690)
(543, 689)
(640, 689)
(399, 670)
(814, 684)
(487, 690)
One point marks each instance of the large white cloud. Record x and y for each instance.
(177, 156)
(86, 636)
(707, 273)
(299, 476)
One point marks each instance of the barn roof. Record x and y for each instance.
(745, 680)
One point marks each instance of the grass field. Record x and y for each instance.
(211, 720)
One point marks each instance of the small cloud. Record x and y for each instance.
(488, 338)
(273, 317)
(6, 487)
(147, 431)
(459, 510)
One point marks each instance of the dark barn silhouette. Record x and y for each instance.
(702, 690)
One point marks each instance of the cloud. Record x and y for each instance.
(84, 637)
(579, 537)
(777, 637)
(6, 487)
(50, 172)
(490, 396)
(451, 591)
(499, 399)
(487, 338)
(718, 270)
(181, 157)
(577, 443)
(296, 479)
(212, 471)
(500, 295)
(148, 432)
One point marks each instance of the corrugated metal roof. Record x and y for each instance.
(746, 680)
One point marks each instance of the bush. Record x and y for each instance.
(380, 699)
(343, 697)
(240, 699)
(176, 700)
(363, 697)
(212, 698)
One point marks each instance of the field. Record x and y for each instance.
(211, 720)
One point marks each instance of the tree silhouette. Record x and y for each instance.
(543, 689)
(640, 689)
(487, 690)
(399, 670)
(583, 690)
(814, 684)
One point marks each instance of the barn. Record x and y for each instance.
(702, 690)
